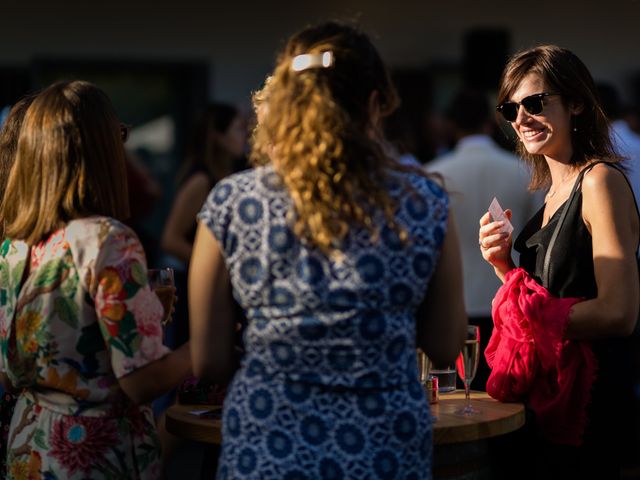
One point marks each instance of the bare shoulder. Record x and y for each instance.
(195, 189)
(604, 180)
(607, 194)
(199, 181)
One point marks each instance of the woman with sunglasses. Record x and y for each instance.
(549, 98)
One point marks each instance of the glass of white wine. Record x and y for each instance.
(424, 367)
(161, 281)
(467, 364)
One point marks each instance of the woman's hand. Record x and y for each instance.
(496, 246)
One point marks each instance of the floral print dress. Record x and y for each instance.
(83, 317)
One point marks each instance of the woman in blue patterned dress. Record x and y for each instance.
(344, 260)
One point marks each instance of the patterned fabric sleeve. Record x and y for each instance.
(441, 209)
(13, 258)
(216, 212)
(429, 203)
(128, 311)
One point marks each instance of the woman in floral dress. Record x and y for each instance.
(8, 144)
(80, 329)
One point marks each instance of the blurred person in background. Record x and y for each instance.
(549, 97)
(217, 143)
(80, 329)
(344, 261)
(4, 113)
(9, 133)
(144, 193)
(625, 140)
(215, 150)
(475, 172)
(404, 128)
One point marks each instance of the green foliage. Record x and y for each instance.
(16, 279)
(138, 274)
(49, 273)
(67, 311)
(39, 438)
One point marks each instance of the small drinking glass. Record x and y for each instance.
(162, 283)
(467, 364)
(446, 377)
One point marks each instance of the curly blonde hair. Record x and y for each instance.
(315, 127)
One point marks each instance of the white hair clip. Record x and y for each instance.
(312, 60)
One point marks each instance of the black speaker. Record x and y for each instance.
(486, 51)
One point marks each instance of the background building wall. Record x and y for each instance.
(239, 38)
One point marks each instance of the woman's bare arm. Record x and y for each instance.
(157, 378)
(211, 316)
(610, 214)
(441, 318)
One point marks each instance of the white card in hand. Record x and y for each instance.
(497, 214)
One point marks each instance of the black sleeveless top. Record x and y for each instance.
(571, 274)
(571, 268)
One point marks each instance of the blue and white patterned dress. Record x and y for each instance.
(328, 387)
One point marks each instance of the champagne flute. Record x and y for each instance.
(467, 364)
(424, 367)
(162, 283)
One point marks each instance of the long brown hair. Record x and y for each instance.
(70, 163)
(563, 73)
(9, 143)
(318, 135)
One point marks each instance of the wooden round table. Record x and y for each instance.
(461, 448)
(494, 419)
(181, 422)
(461, 443)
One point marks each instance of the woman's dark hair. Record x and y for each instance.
(563, 73)
(203, 149)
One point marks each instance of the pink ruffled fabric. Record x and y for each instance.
(532, 362)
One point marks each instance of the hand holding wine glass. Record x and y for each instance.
(467, 364)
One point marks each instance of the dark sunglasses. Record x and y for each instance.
(533, 105)
(125, 130)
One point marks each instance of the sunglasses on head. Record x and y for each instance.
(533, 105)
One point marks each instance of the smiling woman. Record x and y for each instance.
(581, 244)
